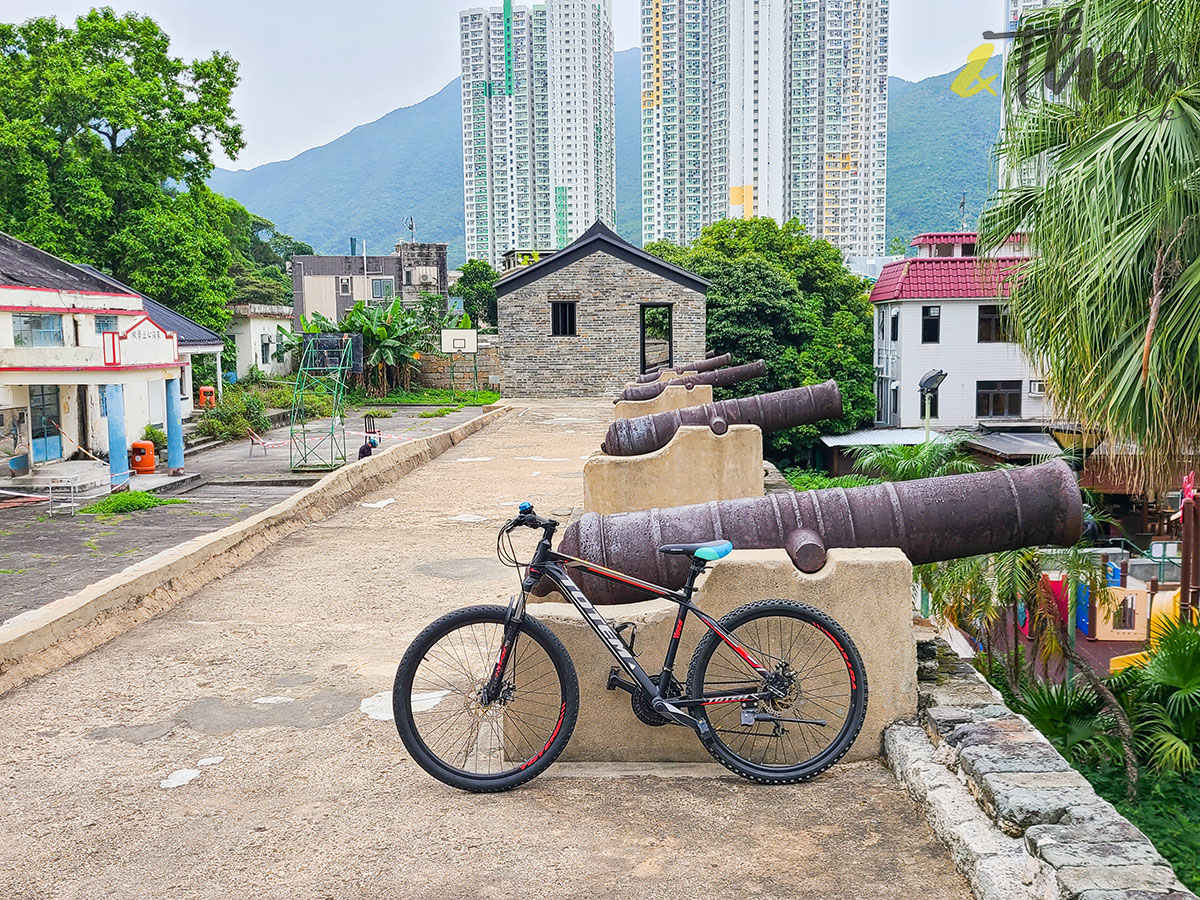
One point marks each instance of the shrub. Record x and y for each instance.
(811, 480)
(380, 413)
(155, 436)
(235, 416)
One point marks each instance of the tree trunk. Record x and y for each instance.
(1014, 655)
(1109, 699)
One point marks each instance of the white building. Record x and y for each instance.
(83, 368)
(766, 108)
(945, 310)
(538, 105)
(255, 329)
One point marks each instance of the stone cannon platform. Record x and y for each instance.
(675, 396)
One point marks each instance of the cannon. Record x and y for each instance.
(704, 365)
(931, 520)
(770, 412)
(717, 378)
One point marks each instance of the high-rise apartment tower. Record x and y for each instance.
(765, 108)
(539, 147)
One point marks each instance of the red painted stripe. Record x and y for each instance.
(71, 310)
(529, 762)
(169, 365)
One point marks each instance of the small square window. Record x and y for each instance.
(105, 324)
(562, 319)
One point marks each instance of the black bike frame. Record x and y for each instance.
(548, 563)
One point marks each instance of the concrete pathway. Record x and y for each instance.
(231, 747)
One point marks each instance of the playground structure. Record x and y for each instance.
(326, 361)
(1180, 606)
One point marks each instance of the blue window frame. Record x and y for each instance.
(37, 330)
(104, 401)
(105, 323)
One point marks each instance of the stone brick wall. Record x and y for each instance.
(605, 353)
(435, 368)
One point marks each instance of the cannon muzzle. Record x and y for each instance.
(770, 412)
(717, 378)
(931, 520)
(703, 365)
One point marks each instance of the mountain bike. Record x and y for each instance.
(486, 697)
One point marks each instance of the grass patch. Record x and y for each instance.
(12, 571)
(438, 413)
(379, 413)
(423, 397)
(127, 502)
(812, 480)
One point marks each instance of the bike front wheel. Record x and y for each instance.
(817, 673)
(467, 743)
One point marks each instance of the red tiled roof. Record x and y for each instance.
(963, 277)
(954, 237)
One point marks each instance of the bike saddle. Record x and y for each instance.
(709, 551)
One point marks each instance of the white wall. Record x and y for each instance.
(248, 334)
(959, 352)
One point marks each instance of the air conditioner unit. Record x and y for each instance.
(1037, 388)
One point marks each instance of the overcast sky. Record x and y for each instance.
(357, 61)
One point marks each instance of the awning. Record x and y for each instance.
(881, 437)
(1015, 445)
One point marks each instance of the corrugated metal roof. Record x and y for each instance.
(964, 277)
(191, 335)
(23, 265)
(881, 437)
(1016, 445)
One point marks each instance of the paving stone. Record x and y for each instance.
(975, 839)
(941, 720)
(1094, 814)
(957, 691)
(982, 759)
(993, 731)
(1019, 800)
(1003, 878)
(1074, 881)
(1078, 853)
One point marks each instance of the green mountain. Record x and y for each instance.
(409, 163)
(939, 147)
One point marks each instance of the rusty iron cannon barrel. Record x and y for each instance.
(717, 378)
(702, 365)
(770, 412)
(931, 520)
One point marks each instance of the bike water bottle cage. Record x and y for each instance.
(709, 551)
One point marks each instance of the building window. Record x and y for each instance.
(381, 288)
(408, 276)
(895, 325)
(31, 330)
(105, 324)
(103, 401)
(933, 404)
(931, 324)
(993, 325)
(562, 319)
(265, 350)
(345, 287)
(895, 400)
(998, 399)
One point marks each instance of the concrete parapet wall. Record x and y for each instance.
(695, 467)
(678, 396)
(865, 590)
(41, 640)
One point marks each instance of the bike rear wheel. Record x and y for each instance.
(825, 678)
(477, 746)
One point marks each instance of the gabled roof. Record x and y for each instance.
(961, 277)
(189, 334)
(23, 265)
(599, 238)
(956, 237)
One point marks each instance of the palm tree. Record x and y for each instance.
(1110, 305)
(942, 456)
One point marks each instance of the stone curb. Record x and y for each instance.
(41, 640)
(1018, 820)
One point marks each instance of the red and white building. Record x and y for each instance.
(945, 309)
(78, 358)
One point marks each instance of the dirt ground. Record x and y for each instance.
(255, 688)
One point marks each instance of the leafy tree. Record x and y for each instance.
(1110, 306)
(933, 459)
(787, 298)
(477, 287)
